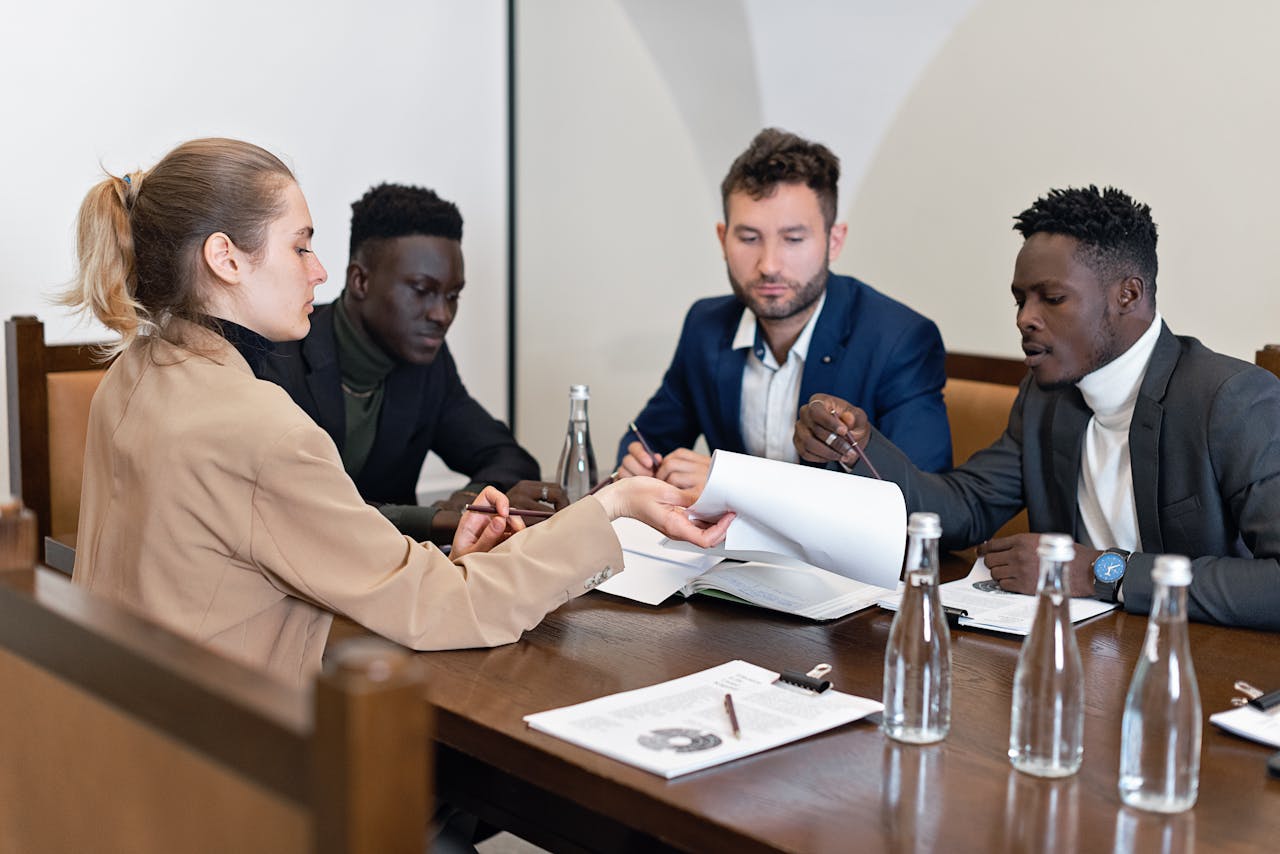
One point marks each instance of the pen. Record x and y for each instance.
(631, 425)
(733, 716)
(854, 444)
(525, 514)
(865, 458)
(602, 484)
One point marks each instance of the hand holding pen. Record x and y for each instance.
(641, 458)
(682, 467)
(833, 430)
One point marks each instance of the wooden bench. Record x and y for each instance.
(49, 390)
(117, 735)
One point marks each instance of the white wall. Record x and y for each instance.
(349, 95)
(950, 116)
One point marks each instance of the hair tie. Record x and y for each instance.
(128, 180)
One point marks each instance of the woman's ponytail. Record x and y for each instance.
(106, 275)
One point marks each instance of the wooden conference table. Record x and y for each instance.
(843, 790)
(847, 789)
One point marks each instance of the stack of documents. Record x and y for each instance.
(658, 568)
(806, 541)
(683, 725)
(986, 606)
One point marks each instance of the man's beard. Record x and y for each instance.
(1106, 348)
(804, 296)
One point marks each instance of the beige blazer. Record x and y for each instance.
(215, 506)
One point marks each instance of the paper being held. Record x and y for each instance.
(851, 525)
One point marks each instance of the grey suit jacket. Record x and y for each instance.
(1204, 446)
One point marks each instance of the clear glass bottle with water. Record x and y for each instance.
(1160, 733)
(1046, 736)
(917, 659)
(577, 471)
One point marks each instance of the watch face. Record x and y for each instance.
(1108, 567)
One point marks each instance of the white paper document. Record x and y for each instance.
(682, 725)
(998, 610)
(850, 525)
(1251, 723)
(787, 585)
(657, 569)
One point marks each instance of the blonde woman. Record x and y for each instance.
(215, 505)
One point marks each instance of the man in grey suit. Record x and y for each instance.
(1131, 439)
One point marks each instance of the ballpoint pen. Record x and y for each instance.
(524, 514)
(733, 715)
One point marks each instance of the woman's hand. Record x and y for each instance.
(479, 532)
(664, 507)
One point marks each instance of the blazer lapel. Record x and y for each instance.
(729, 365)
(1144, 439)
(830, 337)
(401, 399)
(1067, 422)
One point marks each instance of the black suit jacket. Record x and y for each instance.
(1204, 447)
(424, 408)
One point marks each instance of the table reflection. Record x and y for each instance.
(1040, 815)
(911, 800)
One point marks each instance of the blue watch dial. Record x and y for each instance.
(1108, 567)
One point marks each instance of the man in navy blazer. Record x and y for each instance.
(1129, 438)
(791, 329)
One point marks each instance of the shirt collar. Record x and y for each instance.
(749, 335)
(364, 365)
(252, 346)
(1114, 387)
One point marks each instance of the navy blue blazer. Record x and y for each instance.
(424, 408)
(867, 348)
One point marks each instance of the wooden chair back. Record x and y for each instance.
(50, 387)
(118, 735)
(979, 394)
(1269, 357)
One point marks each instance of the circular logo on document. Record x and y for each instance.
(679, 740)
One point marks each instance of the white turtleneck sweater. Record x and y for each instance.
(1104, 493)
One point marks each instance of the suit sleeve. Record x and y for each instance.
(313, 537)
(973, 500)
(473, 442)
(909, 408)
(669, 420)
(1244, 448)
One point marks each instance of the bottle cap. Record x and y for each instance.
(926, 525)
(579, 392)
(1056, 547)
(1172, 570)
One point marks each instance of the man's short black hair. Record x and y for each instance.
(777, 157)
(397, 210)
(1116, 233)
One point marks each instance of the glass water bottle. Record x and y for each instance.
(917, 659)
(1046, 736)
(1160, 733)
(577, 472)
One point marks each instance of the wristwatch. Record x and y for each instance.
(1108, 572)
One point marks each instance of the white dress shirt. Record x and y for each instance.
(1104, 492)
(771, 392)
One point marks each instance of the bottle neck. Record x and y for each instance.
(577, 410)
(922, 556)
(1053, 577)
(1169, 603)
